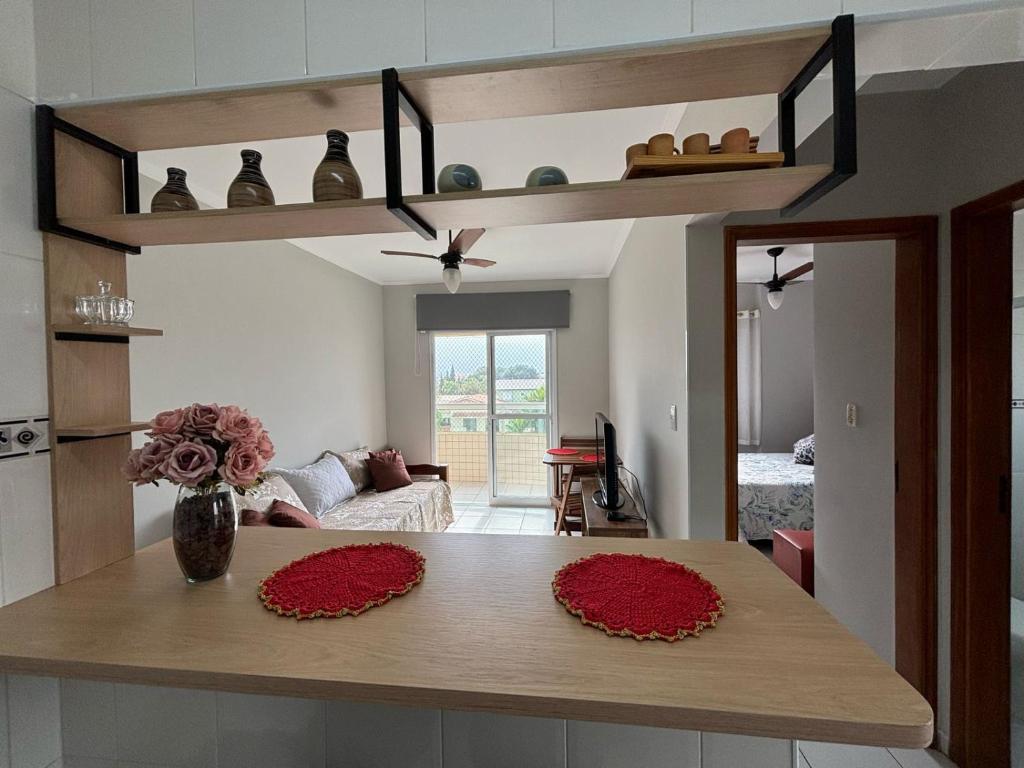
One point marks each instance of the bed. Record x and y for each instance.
(774, 492)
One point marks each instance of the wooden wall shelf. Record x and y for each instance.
(536, 85)
(81, 329)
(101, 430)
(634, 198)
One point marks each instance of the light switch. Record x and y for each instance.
(851, 414)
(673, 422)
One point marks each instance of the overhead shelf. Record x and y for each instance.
(83, 329)
(101, 430)
(534, 85)
(521, 206)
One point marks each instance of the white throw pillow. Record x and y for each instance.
(322, 485)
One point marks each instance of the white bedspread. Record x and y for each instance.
(774, 492)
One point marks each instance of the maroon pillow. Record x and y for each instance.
(283, 515)
(387, 468)
(252, 517)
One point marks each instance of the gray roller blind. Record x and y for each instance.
(492, 311)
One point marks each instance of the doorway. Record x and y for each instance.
(915, 411)
(493, 413)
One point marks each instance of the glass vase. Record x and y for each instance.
(205, 523)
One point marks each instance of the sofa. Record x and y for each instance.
(425, 505)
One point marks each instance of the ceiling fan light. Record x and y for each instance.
(451, 276)
(775, 296)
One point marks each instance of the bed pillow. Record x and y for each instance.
(803, 450)
(354, 463)
(284, 515)
(254, 517)
(321, 486)
(388, 471)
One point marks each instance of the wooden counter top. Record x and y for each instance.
(481, 632)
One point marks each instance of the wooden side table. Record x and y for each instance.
(595, 518)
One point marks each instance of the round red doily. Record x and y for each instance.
(647, 598)
(342, 581)
(562, 451)
(590, 458)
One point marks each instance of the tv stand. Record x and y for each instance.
(598, 521)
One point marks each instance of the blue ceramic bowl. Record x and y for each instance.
(545, 176)
(459, 177)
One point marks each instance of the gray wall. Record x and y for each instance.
(1017, 414)
(647, 343)
(787, 364)
(582, 352)
(921, 153)
(854, 501)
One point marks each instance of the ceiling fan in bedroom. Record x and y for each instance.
(451, 275)
(777, 283)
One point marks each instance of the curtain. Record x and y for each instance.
(748, 376)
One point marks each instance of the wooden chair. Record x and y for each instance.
(569, 510)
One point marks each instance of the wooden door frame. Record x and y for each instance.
(982, 294)
(916, 414)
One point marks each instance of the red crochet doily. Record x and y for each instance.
(590, 458)
(342, 581)
(647, 598)
(562, 451)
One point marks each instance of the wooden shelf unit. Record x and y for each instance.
(115, 331)
(86, 431)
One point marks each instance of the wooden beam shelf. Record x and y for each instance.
(535, 85)
(593, 201)
(82, 329)
(85, 431)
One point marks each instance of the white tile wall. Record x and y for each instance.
(26, 533)
(889, 8)
(63, 50)
(269, 731)
(583, 23)
(142, 46)
(88, 719)
(604, 745)
(246, 41)
(714, 16)
(22, 328)
(364, 35)
(365, 735)
(819, 755)
(474, 739)
(17, 47)
(18, 234)
(5, 742)
(33, 707)
(168, 726)
(723, 750)
(485, 29)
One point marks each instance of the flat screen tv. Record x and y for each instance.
(607, 494)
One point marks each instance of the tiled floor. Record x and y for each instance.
(474, 515)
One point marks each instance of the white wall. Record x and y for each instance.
(582, 351)
(854, 482)
(787, 364)
(647, 349)
(1017, 414)
(266, 325)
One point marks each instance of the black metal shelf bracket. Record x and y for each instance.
(396, 98)
(47, 126)
(100, 338)
(838, 49)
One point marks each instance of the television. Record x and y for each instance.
(607, 494)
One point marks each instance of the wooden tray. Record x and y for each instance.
(647, 166)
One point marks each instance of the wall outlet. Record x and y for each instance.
(673, 421)
(851, 414)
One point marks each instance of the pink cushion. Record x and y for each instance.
(284, 515)
(253, 517)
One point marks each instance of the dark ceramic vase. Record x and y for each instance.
(174, 195)
(336, 178)
(203, 530)
(250, 187)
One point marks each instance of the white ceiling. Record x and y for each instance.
(587, 146)
(753, 265)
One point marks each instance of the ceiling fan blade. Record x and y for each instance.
(409, 253)
(465, 240)
(479, 262)
(795, 273)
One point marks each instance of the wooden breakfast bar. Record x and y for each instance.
(481, 632)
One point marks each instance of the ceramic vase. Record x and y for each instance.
(459, 177)
(545, 176)
(336, 178)
(174, 195)
(250, 187)
(204, 528)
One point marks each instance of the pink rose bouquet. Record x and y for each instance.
(201, 446)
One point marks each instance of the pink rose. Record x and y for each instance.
(153, 455)
(131, 469)
(236, 426)
(189, 463)
(242, 465)
(167, 423)
(201, 420)
(265, 446)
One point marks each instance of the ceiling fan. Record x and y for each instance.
(777, 283)
(451, 275)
